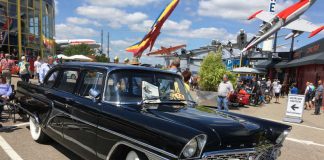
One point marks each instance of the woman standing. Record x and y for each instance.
(24, 72)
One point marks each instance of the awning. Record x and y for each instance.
(313, 59)
(265, 64)
(282, 64)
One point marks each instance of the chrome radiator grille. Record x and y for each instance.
(265, 152)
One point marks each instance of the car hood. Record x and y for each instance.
(224, 131)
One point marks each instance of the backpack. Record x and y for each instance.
(310, 91)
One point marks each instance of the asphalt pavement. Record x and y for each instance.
(306, 141)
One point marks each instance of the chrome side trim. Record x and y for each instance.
(150, 155)
(121, 135)
(139, 142)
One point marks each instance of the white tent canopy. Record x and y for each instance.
(246, 70)
(80, 58)
(74, 58)
(63, 57)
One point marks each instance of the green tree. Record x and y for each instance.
(102, 58)
(212, 71)
(81, 49)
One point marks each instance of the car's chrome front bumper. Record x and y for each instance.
(265, 152)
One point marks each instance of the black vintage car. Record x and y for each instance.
(119, 112)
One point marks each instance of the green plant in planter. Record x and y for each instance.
(212, 71)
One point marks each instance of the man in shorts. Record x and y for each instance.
(277, 90)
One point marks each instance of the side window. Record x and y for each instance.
(68, 81)
(50, 80)
(92, 80)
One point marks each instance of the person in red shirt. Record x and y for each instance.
(6, 65)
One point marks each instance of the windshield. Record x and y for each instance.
(126, 86)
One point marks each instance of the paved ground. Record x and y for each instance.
(306, 141)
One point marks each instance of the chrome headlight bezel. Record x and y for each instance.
(197, 143)
(283, 136)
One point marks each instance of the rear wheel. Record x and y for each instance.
(36, 131)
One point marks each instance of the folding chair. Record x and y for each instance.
(10, 106)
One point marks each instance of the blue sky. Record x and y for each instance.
(194, 22)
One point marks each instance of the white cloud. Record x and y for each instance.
(82, 21)
(121, 3)
(122, 43)
(183, 29)
(68, 31)
(115, 17)
(168, 26)
(206, 33)
(236, 9)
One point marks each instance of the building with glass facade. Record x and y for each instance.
(27, 28)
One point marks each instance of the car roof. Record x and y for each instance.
(112, 66)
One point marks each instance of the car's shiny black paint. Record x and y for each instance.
(93, 128)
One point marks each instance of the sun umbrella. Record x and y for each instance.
(246, 70)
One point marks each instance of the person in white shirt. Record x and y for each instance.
(269, 83)
(277, 90)
(225, 89)
(37, 66)
(45, 67)
(274, 85)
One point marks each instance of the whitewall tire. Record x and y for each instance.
(36, 131)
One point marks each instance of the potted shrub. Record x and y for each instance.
(211, 74)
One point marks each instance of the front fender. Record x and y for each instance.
(274, 128)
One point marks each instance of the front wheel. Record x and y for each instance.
(132, 155)
(36, 131)
(252, 101)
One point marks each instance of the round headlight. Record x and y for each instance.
(190, 149)
(282, 137)
(276, 153)
(202, 139)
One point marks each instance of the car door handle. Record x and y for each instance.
(67, 106)
(69, 100)
(47, 92)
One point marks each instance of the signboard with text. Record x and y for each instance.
(295, 108)
(272, 6)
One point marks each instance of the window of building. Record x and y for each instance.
(92, 80)
(68, 81)
(23, 3)
(12, 8)
(30, 4)
(12, 1)
(3, 9)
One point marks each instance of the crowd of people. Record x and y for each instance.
(260, 88)
(25, 71)
(314, 96)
